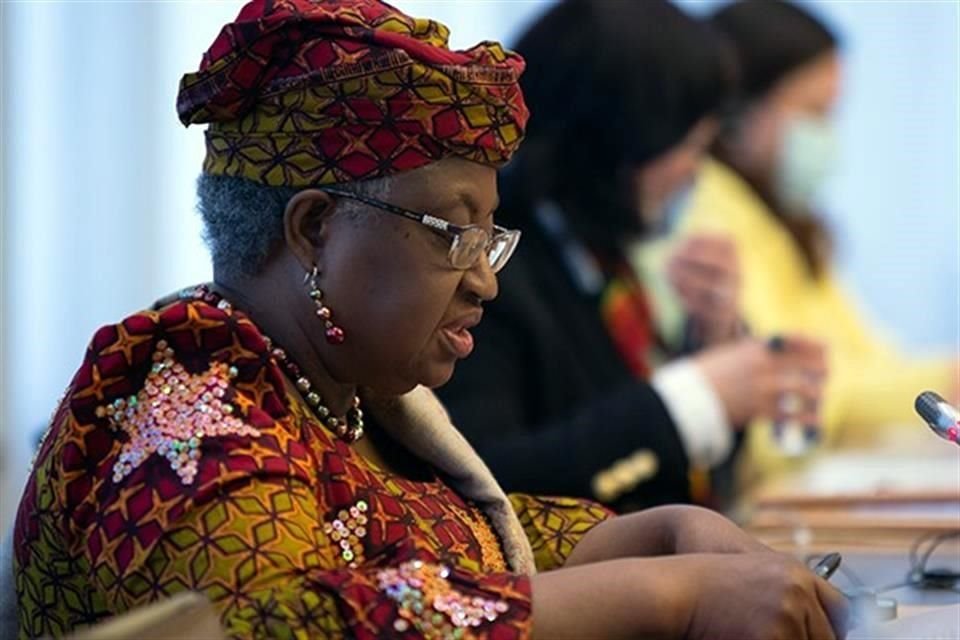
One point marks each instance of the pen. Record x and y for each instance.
(827, 566)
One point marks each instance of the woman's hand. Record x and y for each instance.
(753, 381)
(759, 596)
(750, 596)
(705, 275)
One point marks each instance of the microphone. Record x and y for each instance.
(939, 416)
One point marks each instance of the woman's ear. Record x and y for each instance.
(306, 223)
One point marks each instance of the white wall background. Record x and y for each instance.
(97, 177)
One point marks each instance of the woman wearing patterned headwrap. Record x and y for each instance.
(268, 440)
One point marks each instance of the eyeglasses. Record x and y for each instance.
(467, 243)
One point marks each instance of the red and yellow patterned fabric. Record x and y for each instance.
(628, 320)
(305, 92)
(555, 525)
(182, 458)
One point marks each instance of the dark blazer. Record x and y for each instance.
(546, 399)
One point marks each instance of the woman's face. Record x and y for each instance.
(405, 310)
(810, 91)
(656, 182)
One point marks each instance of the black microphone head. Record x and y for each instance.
(927, 405)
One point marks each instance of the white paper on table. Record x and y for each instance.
(868, 474)
(942, 623)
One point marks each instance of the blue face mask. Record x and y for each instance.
(807, 157)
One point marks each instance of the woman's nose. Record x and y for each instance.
(481, 281)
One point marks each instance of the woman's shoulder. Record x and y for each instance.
(181, 395)
(169, 353)
(171, 407)
(723, 200)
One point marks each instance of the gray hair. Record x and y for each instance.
(243, 219)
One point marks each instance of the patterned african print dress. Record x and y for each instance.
(181, 458)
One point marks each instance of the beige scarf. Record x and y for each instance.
(419, 422)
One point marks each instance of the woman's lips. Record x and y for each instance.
(459, 341)
(457, 334)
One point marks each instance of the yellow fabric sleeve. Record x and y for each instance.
(555, 526)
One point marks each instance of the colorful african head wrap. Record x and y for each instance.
(306, 92)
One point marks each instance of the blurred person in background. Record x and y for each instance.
(773, 152)
(573, 402)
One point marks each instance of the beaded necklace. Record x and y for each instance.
(348, 428)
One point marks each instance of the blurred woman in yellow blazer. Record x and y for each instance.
(767, 163)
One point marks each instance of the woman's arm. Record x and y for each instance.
(279, 584)
(675, 529)
(748, 597)
(260, 553)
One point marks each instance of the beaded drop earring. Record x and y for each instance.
(334, 334)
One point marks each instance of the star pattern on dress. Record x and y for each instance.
(172, 415)
(197, 324)
(96, 385)
(126, 342)
(257, 388)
